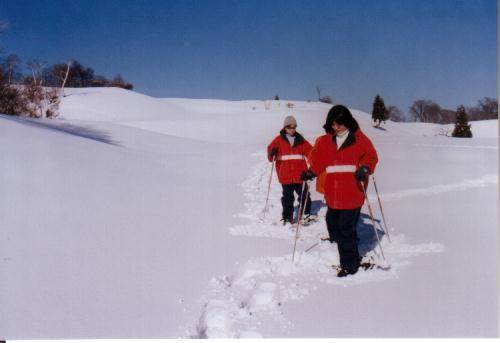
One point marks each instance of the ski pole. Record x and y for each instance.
(299, 215)
(381, 209)
(268, 190)
(304, 199)
(373, 221)
(317, 243)
(311, 247)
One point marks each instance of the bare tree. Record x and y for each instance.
(65, 77)
(447, 116)
(425, 111)
(489, 106)
(433, 113)
(36, 68)
(318, 90)
(417, 109)
(11, 63)
(42, 102)
(395, 114)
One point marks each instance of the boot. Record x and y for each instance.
(344, 272)
(287, 220)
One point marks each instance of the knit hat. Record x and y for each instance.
(290, 121)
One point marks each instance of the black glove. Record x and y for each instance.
(362, 173)
(273, 153)
(307, 175)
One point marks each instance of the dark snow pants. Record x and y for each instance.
(288, 199)
(341, 226)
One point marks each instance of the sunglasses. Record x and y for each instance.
(291, 127)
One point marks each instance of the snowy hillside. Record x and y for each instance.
(138, 217)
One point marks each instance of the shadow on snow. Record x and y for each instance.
(67, 128)
(367, 238)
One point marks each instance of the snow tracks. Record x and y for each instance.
(250, 300)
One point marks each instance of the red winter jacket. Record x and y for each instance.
(290, 160)
(342, 190)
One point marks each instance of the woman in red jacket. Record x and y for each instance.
(289, 149)
(347, 157)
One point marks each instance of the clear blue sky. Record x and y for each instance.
(444, 50)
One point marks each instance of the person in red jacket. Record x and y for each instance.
(320, 181)
(348, 158)
(289, 150)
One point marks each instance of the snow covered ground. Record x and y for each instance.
(138, 217)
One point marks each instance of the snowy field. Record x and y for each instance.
(138, 217)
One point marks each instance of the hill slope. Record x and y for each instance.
(139, 217)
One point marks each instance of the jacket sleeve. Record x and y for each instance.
(273, 144)
(369, 157)
(316, 157)
(307, 150)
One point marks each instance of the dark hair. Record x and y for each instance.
(340, 115)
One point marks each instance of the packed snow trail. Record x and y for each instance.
(240, 304)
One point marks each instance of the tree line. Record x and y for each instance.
(428, 111)
(425, 111)
(37, 92)
(73, 73)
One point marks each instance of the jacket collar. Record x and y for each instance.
(298, 138)
(350, 140)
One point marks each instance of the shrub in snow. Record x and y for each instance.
(53, 100)
(41, 102)
(11, 99)
(326, 99)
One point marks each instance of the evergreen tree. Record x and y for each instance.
(379, 112)
(462, 127)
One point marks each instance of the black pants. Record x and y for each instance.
(341, 226)
(288, 199)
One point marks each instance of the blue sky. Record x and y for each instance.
(404, 50)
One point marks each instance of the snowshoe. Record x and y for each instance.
(370, 264)
(309, 219)
(326, 238)
(367, 265)
(344, 272)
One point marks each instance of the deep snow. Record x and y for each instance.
(138, 217)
